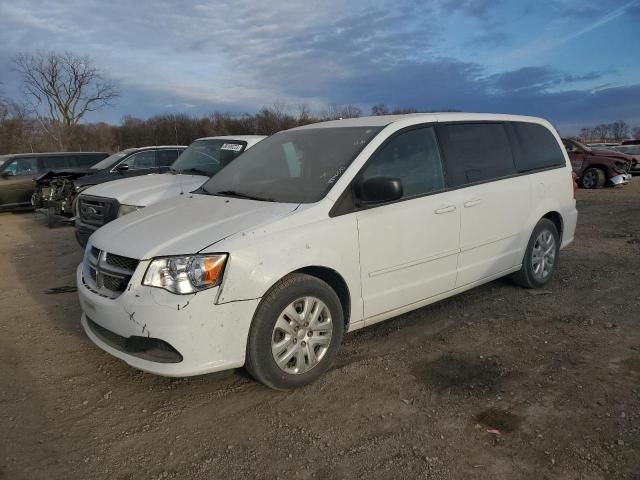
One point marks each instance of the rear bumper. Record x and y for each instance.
(621, 179)
(569, 222)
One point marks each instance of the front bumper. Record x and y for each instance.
(621, 179)
(207, 337)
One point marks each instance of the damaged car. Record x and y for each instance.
(103, 203)
(17, 172)
(57, 190)
(597, 167)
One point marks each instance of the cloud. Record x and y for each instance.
(237, 55)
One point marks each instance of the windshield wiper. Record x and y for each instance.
(234, 193)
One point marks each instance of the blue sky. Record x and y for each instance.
(575, 62)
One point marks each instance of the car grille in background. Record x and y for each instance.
(107, 274)
(97, 210)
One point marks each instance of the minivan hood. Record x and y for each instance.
(184, 225)
(147, 189)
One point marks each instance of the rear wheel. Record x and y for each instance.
(541, 257)
(296, 333)
(593, 178)
(52, 220)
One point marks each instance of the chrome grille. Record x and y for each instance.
(107, 274)
(119, 261)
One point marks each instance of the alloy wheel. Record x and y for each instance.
(301, 335)
(543, 255)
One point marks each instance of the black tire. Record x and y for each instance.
(593, 178)
(52, 221)
(260, 362)
(526, 276)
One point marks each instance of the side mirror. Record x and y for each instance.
(378, 190)
(122, 168)
(6, 174)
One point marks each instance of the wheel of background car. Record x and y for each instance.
(541, 257)
(593, 178)
(296, 333)
(52, 221)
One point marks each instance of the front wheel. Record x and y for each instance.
(541, 257)
(52, 219)
(296, 333)
(593, 178)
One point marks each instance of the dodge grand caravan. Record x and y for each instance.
(100, 204)
(324, 229)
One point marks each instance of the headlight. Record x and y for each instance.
(127, 209)
(187, 274)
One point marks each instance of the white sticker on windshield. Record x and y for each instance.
(234, 147)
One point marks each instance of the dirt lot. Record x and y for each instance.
(556, 372)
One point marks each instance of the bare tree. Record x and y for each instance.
(350, 111)
(585, 134)
(62, 88)
(619, 130)
(380, 109)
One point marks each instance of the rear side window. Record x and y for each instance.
(413, 158)
(538, 147)
(476, 152)
(167, 157)
(21, 166)
(57, 162)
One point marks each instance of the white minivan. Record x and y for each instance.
(99, 204)
(324, 229)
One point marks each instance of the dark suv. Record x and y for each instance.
(17, 172)
(57, 190)
(597, 167)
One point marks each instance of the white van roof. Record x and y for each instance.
(384, 120)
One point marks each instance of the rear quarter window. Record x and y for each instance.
(58, 162)
(476, 152)
(539, 149)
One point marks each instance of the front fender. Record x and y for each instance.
(257, 260)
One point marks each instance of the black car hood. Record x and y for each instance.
(71, 173)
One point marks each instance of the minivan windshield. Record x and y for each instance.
(207, 157)
(111, 160)
(294, 166)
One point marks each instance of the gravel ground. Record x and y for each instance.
(498, 382)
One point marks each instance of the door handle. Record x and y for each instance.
(445, 209)
(472, 203)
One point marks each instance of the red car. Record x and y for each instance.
(597, 167)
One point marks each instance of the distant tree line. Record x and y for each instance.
(609, 132)
(60, 88)
(21, 131)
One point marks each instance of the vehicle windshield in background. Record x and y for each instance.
(111, 159)
(207, 157)
(295, 166)
(582, 145)
(628, 149)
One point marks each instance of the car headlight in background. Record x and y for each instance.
(127, 209)
(185, 274)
